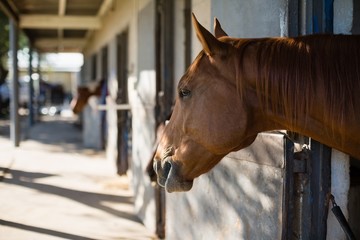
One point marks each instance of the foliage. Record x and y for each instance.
(5, 45)
(4, 36)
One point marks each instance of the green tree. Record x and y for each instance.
(4, 45)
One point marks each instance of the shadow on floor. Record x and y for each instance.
(43, 230)
(91, 199)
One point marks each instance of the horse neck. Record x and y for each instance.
(276, 100)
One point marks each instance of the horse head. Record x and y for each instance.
(204, 126)
(84, 93)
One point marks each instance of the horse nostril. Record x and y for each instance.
(166, 169)
(162, 172)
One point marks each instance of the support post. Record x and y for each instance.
(38, 87)
(31, 89)
(14, 107)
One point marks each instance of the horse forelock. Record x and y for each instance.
(292, 72)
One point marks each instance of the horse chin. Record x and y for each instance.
(169, 178)
(175, 184)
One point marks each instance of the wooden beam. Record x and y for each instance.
(55, 42)
(61, 13)
(7, 9)
(62, 7)
(55, 22)
(104, 7)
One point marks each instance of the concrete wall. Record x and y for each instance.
(343, 16)
(137, 17)
(250, 19)
(92, 125)
(238, 199)
(143, 103)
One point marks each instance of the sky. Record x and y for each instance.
(55, 61)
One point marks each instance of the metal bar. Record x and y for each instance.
(309, 27)
(341, 219)
(37, 87)
(31, 89)
(187, 23)
(320, 185)
(329, 16)
(164, 59)
(293, 18)
(158, 43)
(318, 16)
(14, 107)
(168, 58)
(119, 107)
(288, 191)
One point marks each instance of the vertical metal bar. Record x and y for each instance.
(160, 199)
(323, 16)
(320, 184)
(293, 18)
(288, 212)
(329, 16)
(158, 43)
(168, 58)
(309, 16)
(305, 19)
(318, 14)
(320, 166)
(14, 114)
(162, 79)
(31, 89)
(187, 23)
(37, 88)
(288, 191)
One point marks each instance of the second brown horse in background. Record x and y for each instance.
(84, 93)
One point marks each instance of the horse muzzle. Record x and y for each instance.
(168, 176)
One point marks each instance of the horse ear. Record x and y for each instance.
(210, 43)
(219, 32)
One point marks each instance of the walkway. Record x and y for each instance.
(52, 188)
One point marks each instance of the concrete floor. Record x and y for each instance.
(52, 188)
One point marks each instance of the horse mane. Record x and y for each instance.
(292, 71)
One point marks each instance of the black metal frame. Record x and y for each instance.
(164, 61)
(307, 188)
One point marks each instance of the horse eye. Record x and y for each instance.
(184, 93)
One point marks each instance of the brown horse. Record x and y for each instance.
(237, 88)
(83, 94)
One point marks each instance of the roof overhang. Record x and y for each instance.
(57, 25)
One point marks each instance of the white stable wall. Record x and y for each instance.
(137, 17)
